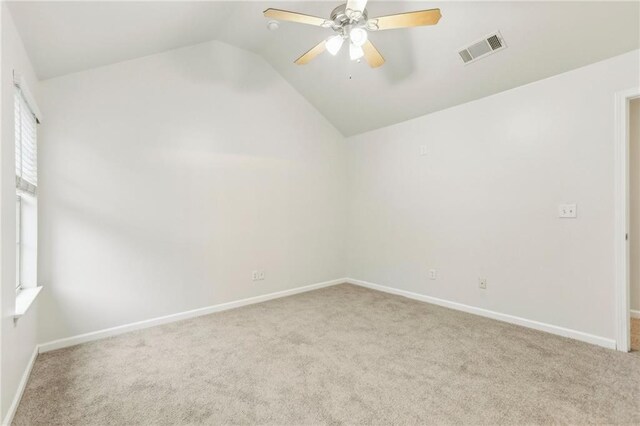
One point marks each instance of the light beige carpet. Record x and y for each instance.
(343, 354)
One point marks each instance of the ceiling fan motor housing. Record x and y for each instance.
(340, 18)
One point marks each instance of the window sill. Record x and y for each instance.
(24, 300)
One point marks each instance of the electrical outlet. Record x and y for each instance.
(254, 276)
(568, 211)
(261, 275)
(482, 283)
(433, 274)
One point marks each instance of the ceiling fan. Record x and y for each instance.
(351, 22)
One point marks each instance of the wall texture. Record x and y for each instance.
(483, 200)
(634, 207)
(18, 340)
(166, 180)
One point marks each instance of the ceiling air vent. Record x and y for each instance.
(484, 47)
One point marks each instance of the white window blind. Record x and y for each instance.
(26, 146)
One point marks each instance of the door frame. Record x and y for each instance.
(621, 237)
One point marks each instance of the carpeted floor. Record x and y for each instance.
(342, 354)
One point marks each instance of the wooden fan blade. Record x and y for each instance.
(404, 20)
(355, 8)
(371, 54)
(285, 15)
(311, 53)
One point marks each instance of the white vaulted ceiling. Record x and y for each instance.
(423, 72)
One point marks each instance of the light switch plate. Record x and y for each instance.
(567, 211)
(423, 150)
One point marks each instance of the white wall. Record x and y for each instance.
(634, 204)
(166, 180)
(483, 201)
(19, 339)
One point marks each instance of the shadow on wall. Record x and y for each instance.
(399, 54)
(107, 238)
(166, 175)
(123, 242)
(220, 62)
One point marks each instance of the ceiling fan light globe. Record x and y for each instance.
(358, 36)
(355, 52)
(334, 43)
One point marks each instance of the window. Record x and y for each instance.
(26, 191)
(26, 152)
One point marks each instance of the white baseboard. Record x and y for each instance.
(549, 328)
(635, 314)
(21, 387)
(101, 334)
